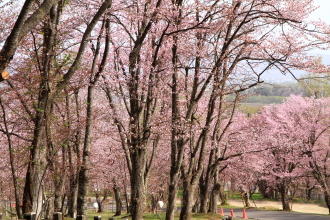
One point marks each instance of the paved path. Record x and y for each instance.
(279, 215)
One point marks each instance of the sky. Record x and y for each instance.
(272, 76)
(321, 13)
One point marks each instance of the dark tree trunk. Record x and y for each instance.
(95, 75)
(12, 163)
(101, 197)
(177, 142)
(172, 191)
(137, 183)
(72, 198)
(74, 167)
(57, 202)
(128, 209)
(204, 184)
(309, 192)
(327, 199)
(204, 195)
(187, 201)
(197, 205)
(82, 175)
(246, 199)
(58, 195)
(223, 195)
(284, 197)
(33, 188)
(154, 201)
(119, 205)
(32, 196)
(215, 193)
(99, 206)
(63, 207)
(82, 190)
(214, 198)
(49, 208)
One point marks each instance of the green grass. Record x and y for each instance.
(250, 108)
(264, 99)
(104, 215)
(150, 216)
(255, 196)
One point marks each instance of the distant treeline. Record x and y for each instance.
(265, 94)
(262, 99)
(278, 90)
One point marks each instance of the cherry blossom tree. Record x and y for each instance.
(29, 17)
(297, 132)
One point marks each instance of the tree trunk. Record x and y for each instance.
(137, 183)
(153, 201)
(119, 204)
(187, 201)
(58, 195)
(223, 195)
(73, 168)
(214, 198)
(32, 195)
(33, 191)
(63, 207)
(284, 197)
(197, 205)
(25, 22)
(246, 199)
(48, 208)
(327, 200)
(82, 176)
(72, 198)
(172, 191)
(204, 196)
(12, 163)
(309, 193)
(128, 209)
(99, 206)
(204, 183)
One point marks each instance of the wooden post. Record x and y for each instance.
(57, 216)
(30, 216)
(80, 217)
(97, 217)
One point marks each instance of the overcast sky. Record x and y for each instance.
(322, 13)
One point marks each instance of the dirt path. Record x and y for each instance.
(297, 207)
(276, 215)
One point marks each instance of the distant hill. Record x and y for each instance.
(266, 94)
(285, 90)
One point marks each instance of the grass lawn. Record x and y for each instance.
(150, 216)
